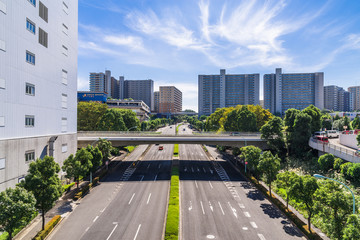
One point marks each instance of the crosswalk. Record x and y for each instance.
(128, 172)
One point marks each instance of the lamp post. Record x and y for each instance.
(131, 128)
(321, 176)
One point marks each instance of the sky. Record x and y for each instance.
(172, 41)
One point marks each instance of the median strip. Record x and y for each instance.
(172, 219)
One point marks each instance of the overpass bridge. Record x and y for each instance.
(138, 138)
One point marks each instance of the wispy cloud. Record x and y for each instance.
(132, 42)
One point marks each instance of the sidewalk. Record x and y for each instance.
(214, 152)
(63, 207)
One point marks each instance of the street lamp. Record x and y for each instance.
(321, 176)
(131, 128)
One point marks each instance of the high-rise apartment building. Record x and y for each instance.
(337, 99)
(38, 84)
(227, 90)
(156, 101)
(293, 90)
(140, 90)
(100, 82)
(355, 96)
(170, 100)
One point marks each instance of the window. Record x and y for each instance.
(33, 2)
(65, 29)
(43, 38)
(2, 83)
(64, 101)
(65, 50)
(64, 148)
(30, 57)
(2, 163)
(29, 121)
(30, 26)
(65, 8)
(2, 121)
(43, 11)
(30, 89)
(29, 156)
(2, 45)
(64, 77)
(2, 7)
(63, 124)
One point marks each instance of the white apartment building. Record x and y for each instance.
(38, 83)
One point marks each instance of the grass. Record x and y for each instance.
(176, 150)
(177, 128)
(172, 219)
(204, 147)
(130, 148)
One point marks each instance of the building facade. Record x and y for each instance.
(103, 82)
(337, 99)
(139, 107)
(140, 90)
(227, 90)
(170, 99)
(156, 101)
(293, 90)
(355, 96)
(38, 84)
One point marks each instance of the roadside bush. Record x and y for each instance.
(95, 181)
(83, 191)
(48, 227)
(67, 186)
(326, 162)
(236, 151)
(345, 169)
(337, 164)
(354, 172)
(114, 151)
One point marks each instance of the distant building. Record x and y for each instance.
(293, 90)
(337, 99)
(170, 99)
(140, 90)
(355, 96)
(227, 90)
(38, 84)
(350, 115)
(87, 96)
(156, 101)
(139, 107)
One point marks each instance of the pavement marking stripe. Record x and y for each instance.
(155, 178)
(211, 185)
(148, 165)
(137, 232)
(202, 207)
(221, 208)
(132, 198)
(159, 165)
(241, 205)
(95, 218)
(253, 224)
(103, 209)
(87, 229)
(196, 184)
(247, 214)
(148, 200)
(112, 232)
(261, 236)
(142, 177)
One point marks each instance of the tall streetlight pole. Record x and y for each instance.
(321, 176)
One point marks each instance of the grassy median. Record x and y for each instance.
(172, 220)
(176, 150)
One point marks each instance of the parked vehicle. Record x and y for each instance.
(332, 133)
(234, 134)
(322, 139)
(161, 148)
(184, 129)
(320, 133)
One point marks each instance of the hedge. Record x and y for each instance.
(82, 191)
(48, 228)
(67, 187)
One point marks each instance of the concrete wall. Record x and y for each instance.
(349, 140)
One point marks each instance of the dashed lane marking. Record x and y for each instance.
(253, 224)
(131, 198)
(261, 236)
(247, 214)
(221, 208)
(148, 200)
(202, 207)
(95, 218)
(211, 185)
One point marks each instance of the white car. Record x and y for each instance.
(332, 133)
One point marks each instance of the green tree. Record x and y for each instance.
(16, 208)
(352, 229)
(240, 120)
(355, 124)
(345, 170)
(354, 172)
(130, 119)
(77, 166)
(236, 151)
(105, 149)
(337, 164)
(112, 120)
(286, 181)
(269, 166)
(326, 121)
(202, 117)
(289, 119)
(251, 154)
(43, 181)
(358, 139)
(96, 157)
(272, 133)
(89, 115)
(213, 121)
(326, 161)
(315, 115)
(304, 192)
(301, 134)
(144, 126)
(262, 115)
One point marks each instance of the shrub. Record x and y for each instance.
(95, 181)
(354, 172)
(337, 164)
(326, 162)
(67, 186)
(48, 227)
(114, 151)
(345, 169)
(82, 191)
(236, 151)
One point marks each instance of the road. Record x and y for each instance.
(217, 203)
(129, 204)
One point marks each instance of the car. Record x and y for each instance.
(184, 129)
(161, 148)
(320, 133)
(332, 133)
(322, 139)
(234, 134)
(156, 144)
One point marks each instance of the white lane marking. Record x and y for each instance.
(211, 171)
(241, 205)
(196, 184)
(159, 165)
(211, 185)
(247, 214)
(221, 208)
(132, 198)
(253, 224)
(204, 170)
(185, 169)
(142, 177)
(261, 236)
(245, 228)
(190, 208)
(202, 207)
(148, 200)
(148, 165)
(211, 207)
(137, 232)
(155, 178)
(201, 154)
(198, 169)
(192, 169)
(233, 210)
(87, 229)
(103, 209)
(112, 230)
(95, 218)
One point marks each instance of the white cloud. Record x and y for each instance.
(83, 84)
(132, 42)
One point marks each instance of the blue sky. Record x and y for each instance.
(173, 41)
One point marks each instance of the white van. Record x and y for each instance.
(332, 133)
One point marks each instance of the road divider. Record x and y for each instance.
(176, 150)
(172, 219)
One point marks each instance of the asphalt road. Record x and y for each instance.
(217, 203)
(129, 204)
